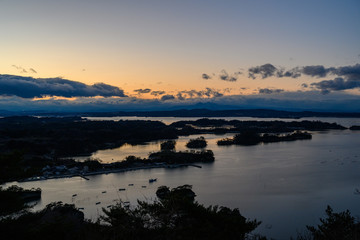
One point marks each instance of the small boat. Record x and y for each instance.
(74, 195)
(151, 180)
(122, 189)
(103, 192)
(357, 191)
(97, 203)
(131, 184)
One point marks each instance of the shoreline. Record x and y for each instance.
(118, 170)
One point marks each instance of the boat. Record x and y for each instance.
(103, 192)
(97, 203)
(151, 180)
(74, 195)
(122, 189)
(131, 184)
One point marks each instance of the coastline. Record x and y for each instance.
(118, 170)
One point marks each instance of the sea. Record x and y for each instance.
(285, 185)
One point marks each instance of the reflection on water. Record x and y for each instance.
(286, 185)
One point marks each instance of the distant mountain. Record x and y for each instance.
(200, 112)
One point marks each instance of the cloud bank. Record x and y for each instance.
(28, 87)
(293, 101)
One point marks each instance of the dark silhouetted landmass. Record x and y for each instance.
(259, 113)
(355, 127)
(28, 144)
(14, 198)
(168, 145)
(175, 216)
(199, 142)
(253, 138)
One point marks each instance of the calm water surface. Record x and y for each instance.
(286, 185)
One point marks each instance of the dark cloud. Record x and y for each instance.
(28, 87)
(293, 73)
(266, 70)
(270, 91)
(349, 72)
(140, 91)
(32, 70)
(269, 70)
(316, 71)
(206, 93)
(180, 96)
(209, 92)
(304, 85)
(205, 76)
(157, 93)
(230, 78)
(167, 97)
(337, 84)
(348, 78)
(223, 75)
(293, 101)
(21, 69)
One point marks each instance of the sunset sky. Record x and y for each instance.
(277, 54)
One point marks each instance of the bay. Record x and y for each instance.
(286, 185)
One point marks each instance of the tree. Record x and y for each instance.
(336, 226)
(177, 216)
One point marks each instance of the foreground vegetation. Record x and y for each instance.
(175, 215)
(14, 199)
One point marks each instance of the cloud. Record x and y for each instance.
(293, 101)
(270, 91)
(28, 87)
(140, 91)
(265, 71)
(316, 71)
(167, 97)
(268, 70)
(32, 70)
(337, 84)
(348, 77)
(224, 76)
(205, 76)
(349, 72)
(230, 78)
(157, 93)
(21, 69)
(293, 73)
(207, 93)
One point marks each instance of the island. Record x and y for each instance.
(253, 138)
(199, 142)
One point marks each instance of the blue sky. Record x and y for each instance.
(158, 51)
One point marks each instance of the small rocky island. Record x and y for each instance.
(199, 142)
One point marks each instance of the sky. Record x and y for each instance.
(118, 54)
